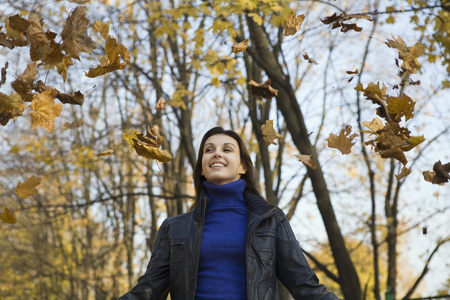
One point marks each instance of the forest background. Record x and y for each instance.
(344, 105)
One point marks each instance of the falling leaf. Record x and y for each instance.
(74, 34)
(23, 85)
(337, 21)
(11, 107)
(72, 98)
(3, 78)
(309, 59)
(306, 160)
(352, 72)
(104, 67)
(424, 230)
(73, 125)
(28, 187)
(101, 28)
(108, 152)
(79, 1)
(439, 175)
(293, 24)
(343, 142)
(269, 133)
(45, 110)
(403, 173)
(161, 103)
(375, 125)
(239, 47)
(8, 217)
(409, 55)
(264, 90)
(148, 145)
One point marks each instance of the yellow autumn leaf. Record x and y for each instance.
(28, 187)
(45, 110)
(343, 142)
(101, 28)
(375, 125)
(8, 217)
(11, 107)
(293, 24)
(269, 133)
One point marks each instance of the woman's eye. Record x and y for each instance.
(208, 150)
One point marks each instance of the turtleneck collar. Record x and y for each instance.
(225, 195)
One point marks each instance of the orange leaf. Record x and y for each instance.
(45, 110)
(343, 142)
(269, 133)
(161, 103)
(8, 217)
(293, 24)
(28, 187)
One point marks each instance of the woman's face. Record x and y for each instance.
(221, 161)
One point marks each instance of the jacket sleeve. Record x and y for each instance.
(293, 269)
(154, 284)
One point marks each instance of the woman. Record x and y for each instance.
(232, 244)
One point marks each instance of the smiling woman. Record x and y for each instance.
(232, 244)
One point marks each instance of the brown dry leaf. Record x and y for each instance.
(28, 187)
(352, 72)
(11, 107)
(240, 47)
(309, 59)
(79, 1)
(293, 24)
(107, 152)
(264, 90)
(45, 110)
(403, 173)
(76, 98)
(161, 103)
(3, 78)
(14, 37)
(439, 175)
(306, 160)
(63, 65)
(269, 133)
(35, 33)
(343, 142)
(338, 21)
(147, 145)
(74, 35)
(409, 55)
(104, 67)
(23, 85)
(8, 217)
(399, 107)
(73, 125)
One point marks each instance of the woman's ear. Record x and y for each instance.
(242, 170)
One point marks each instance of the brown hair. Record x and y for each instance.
(249, 177)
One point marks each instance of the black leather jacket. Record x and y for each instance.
(271, 248)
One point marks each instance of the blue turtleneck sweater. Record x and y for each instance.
(222, 268)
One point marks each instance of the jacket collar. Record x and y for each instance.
(256, 204)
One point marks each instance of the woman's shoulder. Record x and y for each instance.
(178, 218)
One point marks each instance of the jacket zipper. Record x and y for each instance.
(200, 244)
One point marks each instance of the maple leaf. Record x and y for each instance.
(343, 142)
(28, 187)
(11, 107)
(35, 33)
(8, 217)
(161, 103)
(45, 110)
(14, 37)
(107, 152)
(293, 24)
(399, 107)
(374, 126)
(239, 47)
(148, 145)
(409, 55)
(101, 28)
(269, 133)
(74, 34)
(309, 59)
(23, 85)
(264, 90)
(439, 175)
(306, 160)
(62, 66)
